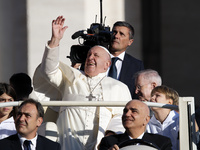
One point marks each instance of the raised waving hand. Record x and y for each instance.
(58, 30)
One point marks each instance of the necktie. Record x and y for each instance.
(113, 70)
(27, 144)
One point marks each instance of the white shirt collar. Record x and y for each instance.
(120, 56)
(33, 141)
(139, 137)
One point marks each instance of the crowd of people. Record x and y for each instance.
(109, 75)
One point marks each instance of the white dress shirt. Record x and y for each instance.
(118, 63)
(33, 142)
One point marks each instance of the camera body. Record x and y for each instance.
(97, 34)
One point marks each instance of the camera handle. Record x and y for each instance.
(101, 13)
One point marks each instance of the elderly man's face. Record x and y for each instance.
(98, 61)
(143, 88)
(135, 115)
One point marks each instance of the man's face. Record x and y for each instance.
(135, 115)
(97, 61)
(143, 88)
(27, 121)
(120, 39)
(5, 111)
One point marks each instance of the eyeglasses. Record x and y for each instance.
(140, 86)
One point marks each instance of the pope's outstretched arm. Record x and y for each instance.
(50, 61)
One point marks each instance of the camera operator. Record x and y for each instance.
(126, 65)
(79, 128)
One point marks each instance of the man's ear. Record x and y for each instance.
(39, 121)
(108, 63)
(147, 119)
(130, 42)
(153, 84)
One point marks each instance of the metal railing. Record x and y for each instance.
(90, 104)
(186, 109)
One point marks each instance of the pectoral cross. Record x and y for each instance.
(90, 97)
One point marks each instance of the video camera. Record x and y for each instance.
(97, 34)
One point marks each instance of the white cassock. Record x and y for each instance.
(80, 128)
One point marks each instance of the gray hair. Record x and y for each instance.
(150, 75)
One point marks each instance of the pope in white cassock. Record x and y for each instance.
(80, 128)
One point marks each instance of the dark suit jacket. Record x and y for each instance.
(13, 143)
(130, 66)
(164, 143)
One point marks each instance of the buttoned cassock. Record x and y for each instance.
(79, 127)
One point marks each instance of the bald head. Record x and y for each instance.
(135, 118)
(140, 105)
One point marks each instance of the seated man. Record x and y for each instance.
(27, 121)
(165, 121)
(135, 118)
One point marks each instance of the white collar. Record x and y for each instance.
(33, 141)
(100, 75)
(139, 137)
(120, 56)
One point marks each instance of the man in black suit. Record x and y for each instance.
(27, 121)
(134, 119)
(125, 64)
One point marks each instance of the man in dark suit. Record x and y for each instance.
(134, 119)
(125, 64)
(27, 121)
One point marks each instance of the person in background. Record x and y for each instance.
(134, 119)
(124, 66)
(22, 84)
(7, 126)
(145, 81)
(165, 121)
(28, 119)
